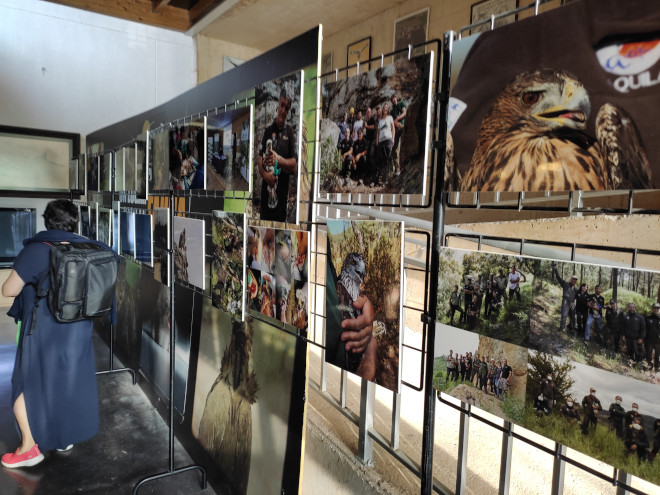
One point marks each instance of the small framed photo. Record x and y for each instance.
(483, 10)
(411, 30)
(359, 51)
(326, 63)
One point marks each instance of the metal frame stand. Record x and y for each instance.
(111, 359)
(171, 470)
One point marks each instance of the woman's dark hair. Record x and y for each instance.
(61, 214)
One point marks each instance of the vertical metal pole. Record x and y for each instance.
(172, 335)
(111, 358)
(436, 246)
(343, 387)
(365, 442)
(505, 462)
(463, 434)
(625, 478)
(558, 470)
(324, 373)
(396, 420)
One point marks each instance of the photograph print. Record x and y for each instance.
(73, 174)
(104, 229)
(84, 220)
(161, 245)
(489, 294)
(604, 415)
(127, 233)
(119, 169)
(228, 262)
(129, 168)
(229, 146)
(105, 171)
(93, 219)
(277, 274)
(128, 328)
(603, 316)
(143, 230)
(363, 299)
(291, 279)
(189, 251)
(160, 158)
(141, 165)
(187, 150)
(82, 172)
(248, 410)
(486, 373)
(277, 149)
(375, 130)
(570, 116)
(93, 172)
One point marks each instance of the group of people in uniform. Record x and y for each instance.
(490, 294)
(368, 142)
(588, 316)
(628, 425)
(483, 372)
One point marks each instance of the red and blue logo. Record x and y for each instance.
(629, 58)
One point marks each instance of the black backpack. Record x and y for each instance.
(82, 281)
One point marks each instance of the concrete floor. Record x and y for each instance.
(132, 442)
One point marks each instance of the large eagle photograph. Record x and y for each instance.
(534, 138)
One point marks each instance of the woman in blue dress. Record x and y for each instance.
(54, 392)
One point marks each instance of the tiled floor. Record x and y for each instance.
(132, 442)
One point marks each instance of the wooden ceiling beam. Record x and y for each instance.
(156, 5)
(201, 8)
(135, 10)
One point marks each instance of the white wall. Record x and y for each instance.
(70, 70)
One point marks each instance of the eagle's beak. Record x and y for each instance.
(572, 111)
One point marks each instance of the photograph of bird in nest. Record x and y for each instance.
(363, 299)
(248, 379)
(529, 114)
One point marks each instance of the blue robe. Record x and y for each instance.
(54, 366)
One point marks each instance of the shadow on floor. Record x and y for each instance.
(132, 443)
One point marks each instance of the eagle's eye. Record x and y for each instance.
(531, 97)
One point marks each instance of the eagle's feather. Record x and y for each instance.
(534, 138)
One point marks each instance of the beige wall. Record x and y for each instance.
(444, 15)
(210, 53)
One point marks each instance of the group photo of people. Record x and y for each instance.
(481, 371)
(493, 377)
(610, 315)
(605, 415)
(374, 130)
(486, 293)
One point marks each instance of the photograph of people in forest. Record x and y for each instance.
(602, 316)
(605, 415)
(486, 293)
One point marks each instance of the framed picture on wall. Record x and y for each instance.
(483, 10)
(411, 30)
(228, 62)
(359, 51)
(326, 63)
(36, 160)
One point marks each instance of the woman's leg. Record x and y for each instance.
(21, 417)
